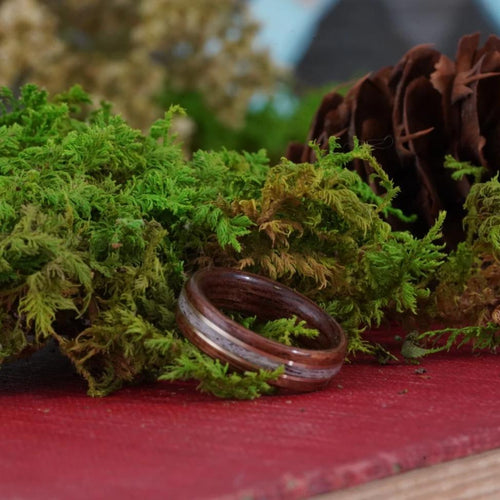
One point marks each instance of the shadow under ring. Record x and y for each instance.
(306, 368)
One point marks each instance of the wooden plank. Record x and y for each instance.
(471, 478)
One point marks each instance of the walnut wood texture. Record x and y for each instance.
(308, 367)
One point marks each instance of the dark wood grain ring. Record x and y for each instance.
(308, 367)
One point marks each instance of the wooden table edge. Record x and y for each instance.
(473, 477)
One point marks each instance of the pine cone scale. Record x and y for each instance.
(428, 106)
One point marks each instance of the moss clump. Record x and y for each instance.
(100, 225)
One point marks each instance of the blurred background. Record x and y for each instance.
(335, 40)
(250, 73)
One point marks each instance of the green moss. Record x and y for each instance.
(100, 225)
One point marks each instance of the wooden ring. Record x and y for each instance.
(308, 367)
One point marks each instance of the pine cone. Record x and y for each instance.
(415, 113)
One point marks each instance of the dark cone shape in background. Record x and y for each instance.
(415, 113)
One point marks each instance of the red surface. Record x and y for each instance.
(168, 441)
